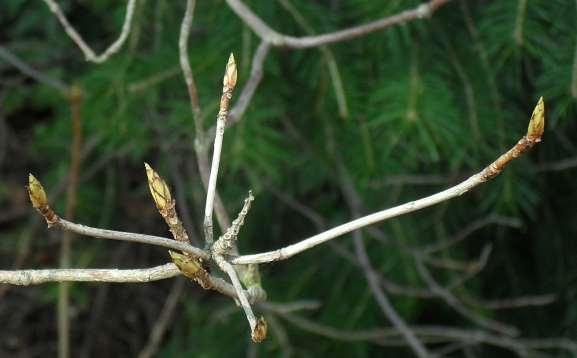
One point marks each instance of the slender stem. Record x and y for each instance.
(486, 174)
(35, 277)
(265, 32)
(89, 54)
(132, 237)
(229, 83)
(241, 293)
(75, 100)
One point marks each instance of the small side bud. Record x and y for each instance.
(36, 193)
(158, 189)
(185, 264)
(230, 74)
(259, 333)
(537, 122)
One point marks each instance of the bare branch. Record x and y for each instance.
(35, 277)
(89, 54)
(534, 133)
(229, 82)
(132, 237)
(257, 327)
(201, 141)
(277, 39)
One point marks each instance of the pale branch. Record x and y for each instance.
(258, 327)
(228, 84)
(533, 136)
(132, 237)
(88, 52)
(226, 241)
(266, 33)
(35, 277)
(201, 141)
(185, 64)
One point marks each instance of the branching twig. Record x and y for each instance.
(277, 39)
(532, 137)
(89, 54)
(40, 202)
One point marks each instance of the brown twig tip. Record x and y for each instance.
(36, 193)
(230, 75)
(158, 189)
(259, 332)
(537, 122)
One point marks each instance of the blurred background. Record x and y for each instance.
(331, 132)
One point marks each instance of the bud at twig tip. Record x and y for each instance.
(230, 74)
(158, 189)
(260, 330)
(36, 192)
(537, 122)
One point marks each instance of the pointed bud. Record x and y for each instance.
(259, 332)
(537, 122)
(229, 80)
(36, 193)
(158, 189)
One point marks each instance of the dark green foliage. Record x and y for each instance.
(438, 98)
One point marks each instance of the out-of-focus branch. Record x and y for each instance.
(75, 99)
(432, 334)
(29, 71)
(455, 303)
(89, 54)
(371, 276)
(266, 33)
(201, 141)
(533, 136)
(163, 322)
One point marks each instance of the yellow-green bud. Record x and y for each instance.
(537, 122)
(230, 74)
(158, 189)
(36, 193)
